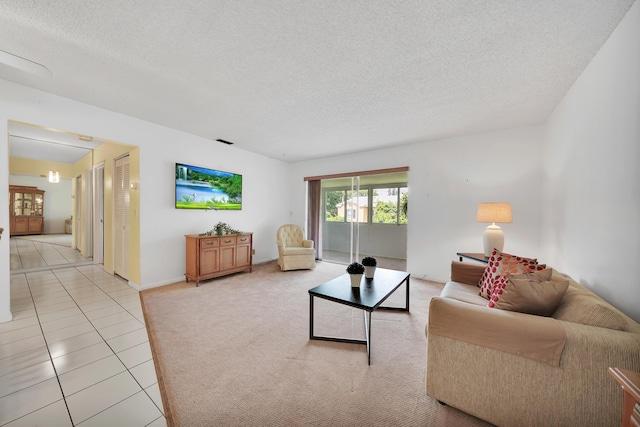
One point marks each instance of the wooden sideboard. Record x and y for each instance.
(630, 383)
(26, 210)
(215, 256)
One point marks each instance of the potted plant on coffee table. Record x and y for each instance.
(370, 264)
(355, 270)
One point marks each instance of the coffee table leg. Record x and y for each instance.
(367, 331)
(407, 296)
(310, 317)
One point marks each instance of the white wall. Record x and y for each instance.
(592, 173)
(265, 204)
(57, 200)
(5, 302)
(447, 179)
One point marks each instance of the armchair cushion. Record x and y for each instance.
(296, 251)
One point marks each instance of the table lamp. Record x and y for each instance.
(493, 212)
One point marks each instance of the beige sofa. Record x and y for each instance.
(516, 369)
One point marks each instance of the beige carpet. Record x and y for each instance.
(236, 352)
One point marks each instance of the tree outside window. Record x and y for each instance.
(332, 199)
(385, 206)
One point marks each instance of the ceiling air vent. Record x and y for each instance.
(224, 142)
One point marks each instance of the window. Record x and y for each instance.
(384, 205)
(388, 205)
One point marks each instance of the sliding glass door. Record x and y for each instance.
(365, 215)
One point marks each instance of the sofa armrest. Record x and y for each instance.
(307, 243)
(534, 337)
(467, 272)
(578, 392)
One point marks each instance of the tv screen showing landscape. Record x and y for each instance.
(202, 188)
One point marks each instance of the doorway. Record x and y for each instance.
(94, 157)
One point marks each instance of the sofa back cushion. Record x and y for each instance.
(468, 273)
(580, 306)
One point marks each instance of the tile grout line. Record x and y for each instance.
(46, 343)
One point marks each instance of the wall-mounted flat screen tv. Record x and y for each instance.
(202, 188)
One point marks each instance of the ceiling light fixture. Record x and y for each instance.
(24, 64)
(54, 176)
(224, 142)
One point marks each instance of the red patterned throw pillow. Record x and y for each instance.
(501, 263)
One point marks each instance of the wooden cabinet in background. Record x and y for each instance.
(26, 210)
(215, 256)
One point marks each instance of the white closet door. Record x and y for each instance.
(98, 214)
(121, 217)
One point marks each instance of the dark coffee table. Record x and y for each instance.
(368, 297)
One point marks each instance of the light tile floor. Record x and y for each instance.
(77, 352)
(30, 254)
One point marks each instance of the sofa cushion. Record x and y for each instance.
(527, 295)
(463, 292)
(501, 263)
(581, 306)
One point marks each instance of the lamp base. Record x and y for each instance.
(493, 238)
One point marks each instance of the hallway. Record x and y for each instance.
(30, 253)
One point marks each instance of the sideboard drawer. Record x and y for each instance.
(228, 241)
(209, 243)
(244, 239)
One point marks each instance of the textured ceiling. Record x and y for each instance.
(296, 80)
